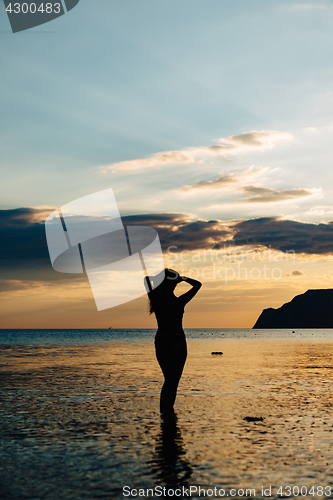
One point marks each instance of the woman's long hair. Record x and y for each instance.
(150, 305)
(157, 296)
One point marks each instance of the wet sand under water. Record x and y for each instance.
(81, 422)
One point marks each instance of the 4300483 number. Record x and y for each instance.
(303, 491)
(31, 8)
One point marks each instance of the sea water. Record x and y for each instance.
(86, 336)
(80, 415)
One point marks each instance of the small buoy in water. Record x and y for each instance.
(217, 352)
(254, 419)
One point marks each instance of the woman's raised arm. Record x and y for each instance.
(187, 296)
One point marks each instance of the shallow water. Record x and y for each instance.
(83, 337)
(81, 420)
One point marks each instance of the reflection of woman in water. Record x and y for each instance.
(170, 465)
(170, 342)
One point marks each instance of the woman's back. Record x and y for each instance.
(169, 315)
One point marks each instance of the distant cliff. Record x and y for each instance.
(312, 309)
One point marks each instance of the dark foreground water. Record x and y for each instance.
(80, 419)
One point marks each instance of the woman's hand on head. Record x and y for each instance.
(191, 281)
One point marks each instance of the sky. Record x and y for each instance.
(211, 121)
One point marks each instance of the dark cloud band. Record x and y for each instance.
(24, 246)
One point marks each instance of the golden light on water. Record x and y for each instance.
(107, 395)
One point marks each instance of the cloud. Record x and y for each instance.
(225, 180)
(285, 235)
(252, 194)
(221, 182)
(233, 144)
(181, 231)
(22, 216)
(265, 139)
(158, 159)
(322, 210)
(23, 232)
(24, 254)
(297, 273)
(270, 232)
(311, 129)
(265, 195)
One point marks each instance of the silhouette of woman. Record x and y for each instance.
(170, 341)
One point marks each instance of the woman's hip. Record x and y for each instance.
(171, 346)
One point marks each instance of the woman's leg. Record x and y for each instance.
(171, 360)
